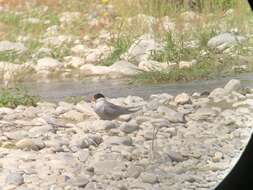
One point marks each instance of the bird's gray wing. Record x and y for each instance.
(113, 109)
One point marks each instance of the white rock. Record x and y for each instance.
(247, 102)
(141, 48)
(12, 46)
(203, 114)
(162, 98)
(11, 69)
(149, 178)
(225, 40)
(108, 167)
(170, 114)
(186, 64)
(89, 69)
(134, 171)
(15, 179)
(57, 40)
(232, 85)
(69, 17)
(73, 115)
(40, 131)
(124, 68)
(217, 93)
(85, 108)
(217, 156)
(52, 30)
(183, 99)
(74, 62)
(119, 68)
(48, 64)
(30, 144)
(95, 55)
(43, 52)
(129, 127)
(115, 140)
(150, 65)
(79, 49)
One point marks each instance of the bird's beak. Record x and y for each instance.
(93, 99)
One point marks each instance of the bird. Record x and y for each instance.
(109, 111)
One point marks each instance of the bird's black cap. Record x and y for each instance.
(97, 96)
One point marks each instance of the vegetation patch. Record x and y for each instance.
(207, 68)
(120, 46)
(15, 97)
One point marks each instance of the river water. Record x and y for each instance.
(56, 90)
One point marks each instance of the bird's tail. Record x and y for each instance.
(134, 109)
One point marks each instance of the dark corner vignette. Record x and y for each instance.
(251, 4)
(241, 176)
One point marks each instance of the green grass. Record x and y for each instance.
(120, 46)
(20, 58)
(13, 57)
(10, 18)
(60, 52)
(14, 97)
(8, 56)
(74, 99)
(175, 50)
(207, 68)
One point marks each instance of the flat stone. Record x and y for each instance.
(134, 171)
(73, 115)
(108, 167)
(115, 140)
(203, 114)
(225, 40)
(124, 68)
(217, 93)
(30, 144)
(14, 179)
(47, 63)
(129, 127)
(83, 155)
(171, 115)
(80, 182)
(175, 156)
(110, 125)
(12, 46)
(149, 178)
(40, 131)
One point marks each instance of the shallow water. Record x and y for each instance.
(58, 90)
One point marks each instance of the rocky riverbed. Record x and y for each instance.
(180, 142)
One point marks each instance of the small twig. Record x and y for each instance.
(155, 132)
(158, 124)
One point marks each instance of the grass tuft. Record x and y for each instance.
(14, 97)
(120, 46)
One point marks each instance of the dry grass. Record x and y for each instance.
(21, 3)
